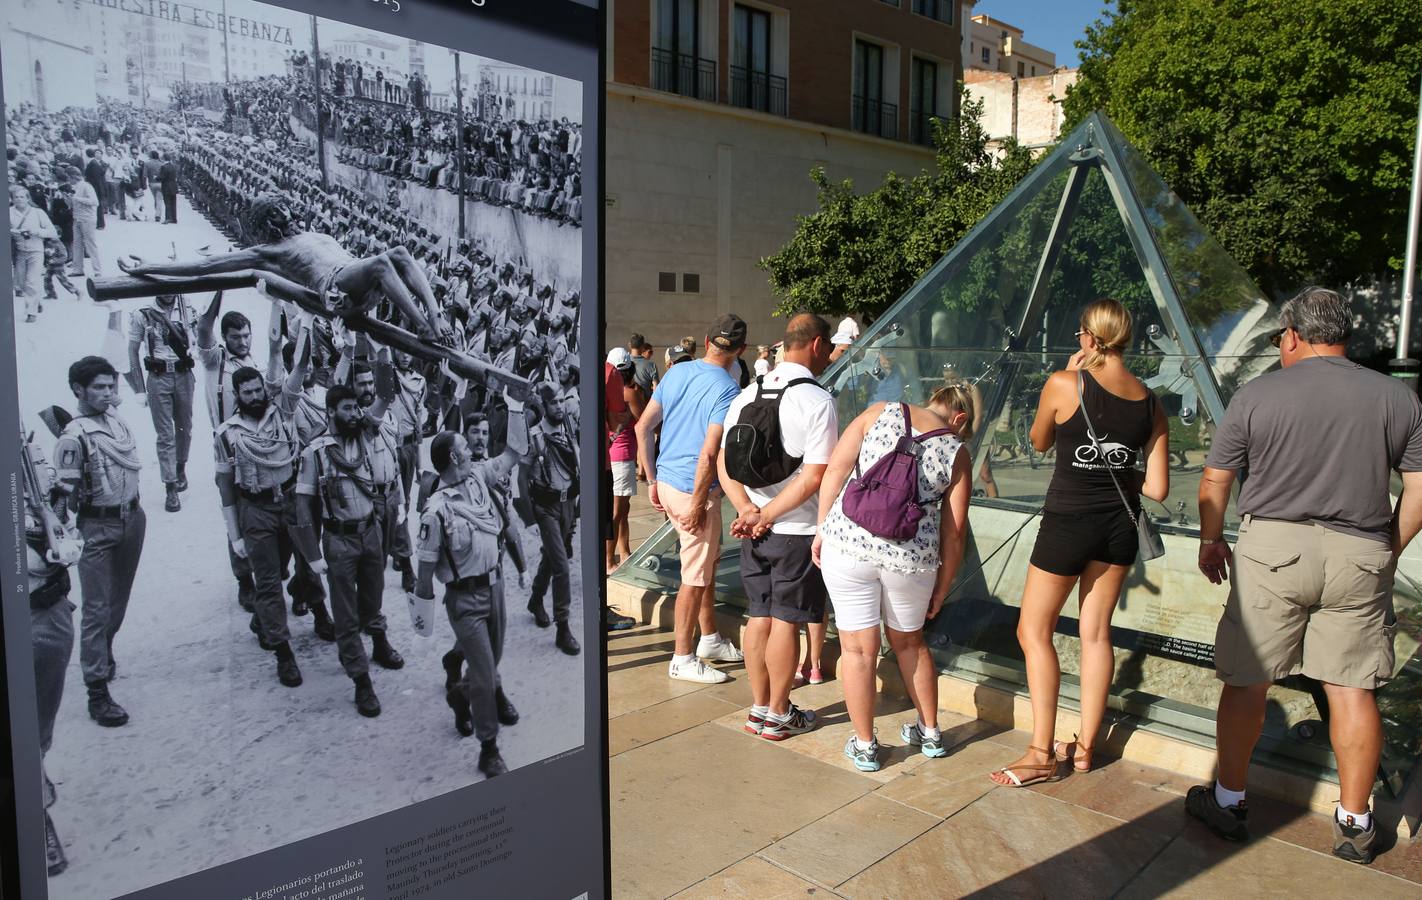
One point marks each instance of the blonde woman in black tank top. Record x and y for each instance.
(1086, 534)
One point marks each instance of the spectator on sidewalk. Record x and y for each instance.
(762, 360)
(1088, 534)
(690, 405)
(899, 583)
(644, 366)
(622, 452)
(1314, 445)
(776, 522)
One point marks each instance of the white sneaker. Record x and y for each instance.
(718, 649)
(696, 671)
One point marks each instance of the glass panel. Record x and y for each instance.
(760, 41)
(971, 318)
(686, 28)
(1230, 316)
(740, 53)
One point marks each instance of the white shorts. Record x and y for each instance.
(624, 478)
(864, 594)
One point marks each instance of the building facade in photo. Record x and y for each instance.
(717, 110)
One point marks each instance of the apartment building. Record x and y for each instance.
(716, 112)
(995, 46)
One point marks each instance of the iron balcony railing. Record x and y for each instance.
(921, 128)
(683, 73)
(758, 90)
(876, 117)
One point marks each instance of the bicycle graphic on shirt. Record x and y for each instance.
(1117, 456)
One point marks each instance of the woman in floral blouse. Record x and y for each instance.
(899, 583)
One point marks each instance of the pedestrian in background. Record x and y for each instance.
(690, 405)
(1087, 534)
(622, 457)
(874, 580)
(776, 522)
(29, 229)
(1312, 572)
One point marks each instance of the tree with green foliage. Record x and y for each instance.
(1286, 127)
(858, 253)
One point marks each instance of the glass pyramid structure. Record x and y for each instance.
(1000, 311)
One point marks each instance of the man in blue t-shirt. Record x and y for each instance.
(690, 405)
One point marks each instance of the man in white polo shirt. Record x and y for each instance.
(776, 521)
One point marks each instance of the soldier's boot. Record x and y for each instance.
(247, 594)
(463, 718)
(171, 503)
(182, 482)
(540, 614)
(407, 574)
(565, 640)
(453, 663)
(54, 858)
(254, 625)
(102, 708)
(288, 672)
(367, 704)
(490, 762)
(508, 715)
(325, 628)
(383, 654)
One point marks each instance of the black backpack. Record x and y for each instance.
(755, 454)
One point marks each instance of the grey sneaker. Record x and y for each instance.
(1357, 845)
(864, 760)
(1227, 822)
(798, 721)
(930, 747)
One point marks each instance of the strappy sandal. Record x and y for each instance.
(1036, 774)
(1075, 752)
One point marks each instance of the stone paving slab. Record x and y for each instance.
(700, 810)
(692, 804)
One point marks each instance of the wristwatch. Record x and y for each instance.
(1205, 542)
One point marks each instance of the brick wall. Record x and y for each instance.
(821, 37)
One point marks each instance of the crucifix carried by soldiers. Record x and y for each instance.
(313, 271)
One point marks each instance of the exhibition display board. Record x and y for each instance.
(306, 599)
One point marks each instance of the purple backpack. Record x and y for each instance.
(884, 500)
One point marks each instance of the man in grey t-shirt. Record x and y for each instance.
(1313, 446)
(644, 368)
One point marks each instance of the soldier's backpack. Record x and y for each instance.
(755, 452)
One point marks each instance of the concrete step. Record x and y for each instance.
(1124, 737)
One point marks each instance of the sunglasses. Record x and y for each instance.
(1277, 337)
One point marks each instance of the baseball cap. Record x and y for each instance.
(847, 326)
(843, 336)
(619, 358)
(728, 332)
(677, 353)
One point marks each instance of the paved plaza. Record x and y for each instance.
(700, 809)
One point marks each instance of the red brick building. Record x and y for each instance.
(717, 111)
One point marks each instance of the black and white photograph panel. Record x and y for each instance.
(297, 311)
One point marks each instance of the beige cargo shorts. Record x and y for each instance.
(1306, 599)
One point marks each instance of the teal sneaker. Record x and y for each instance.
(866, 760)
(932, 747)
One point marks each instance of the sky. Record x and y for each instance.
(1052, 24)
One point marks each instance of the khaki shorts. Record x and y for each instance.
(1306, 599)
(699, 551)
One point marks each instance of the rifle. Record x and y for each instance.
(63, 544)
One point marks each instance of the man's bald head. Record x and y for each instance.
(803, 328)
(807, 342)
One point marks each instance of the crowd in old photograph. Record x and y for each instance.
(319, 433)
